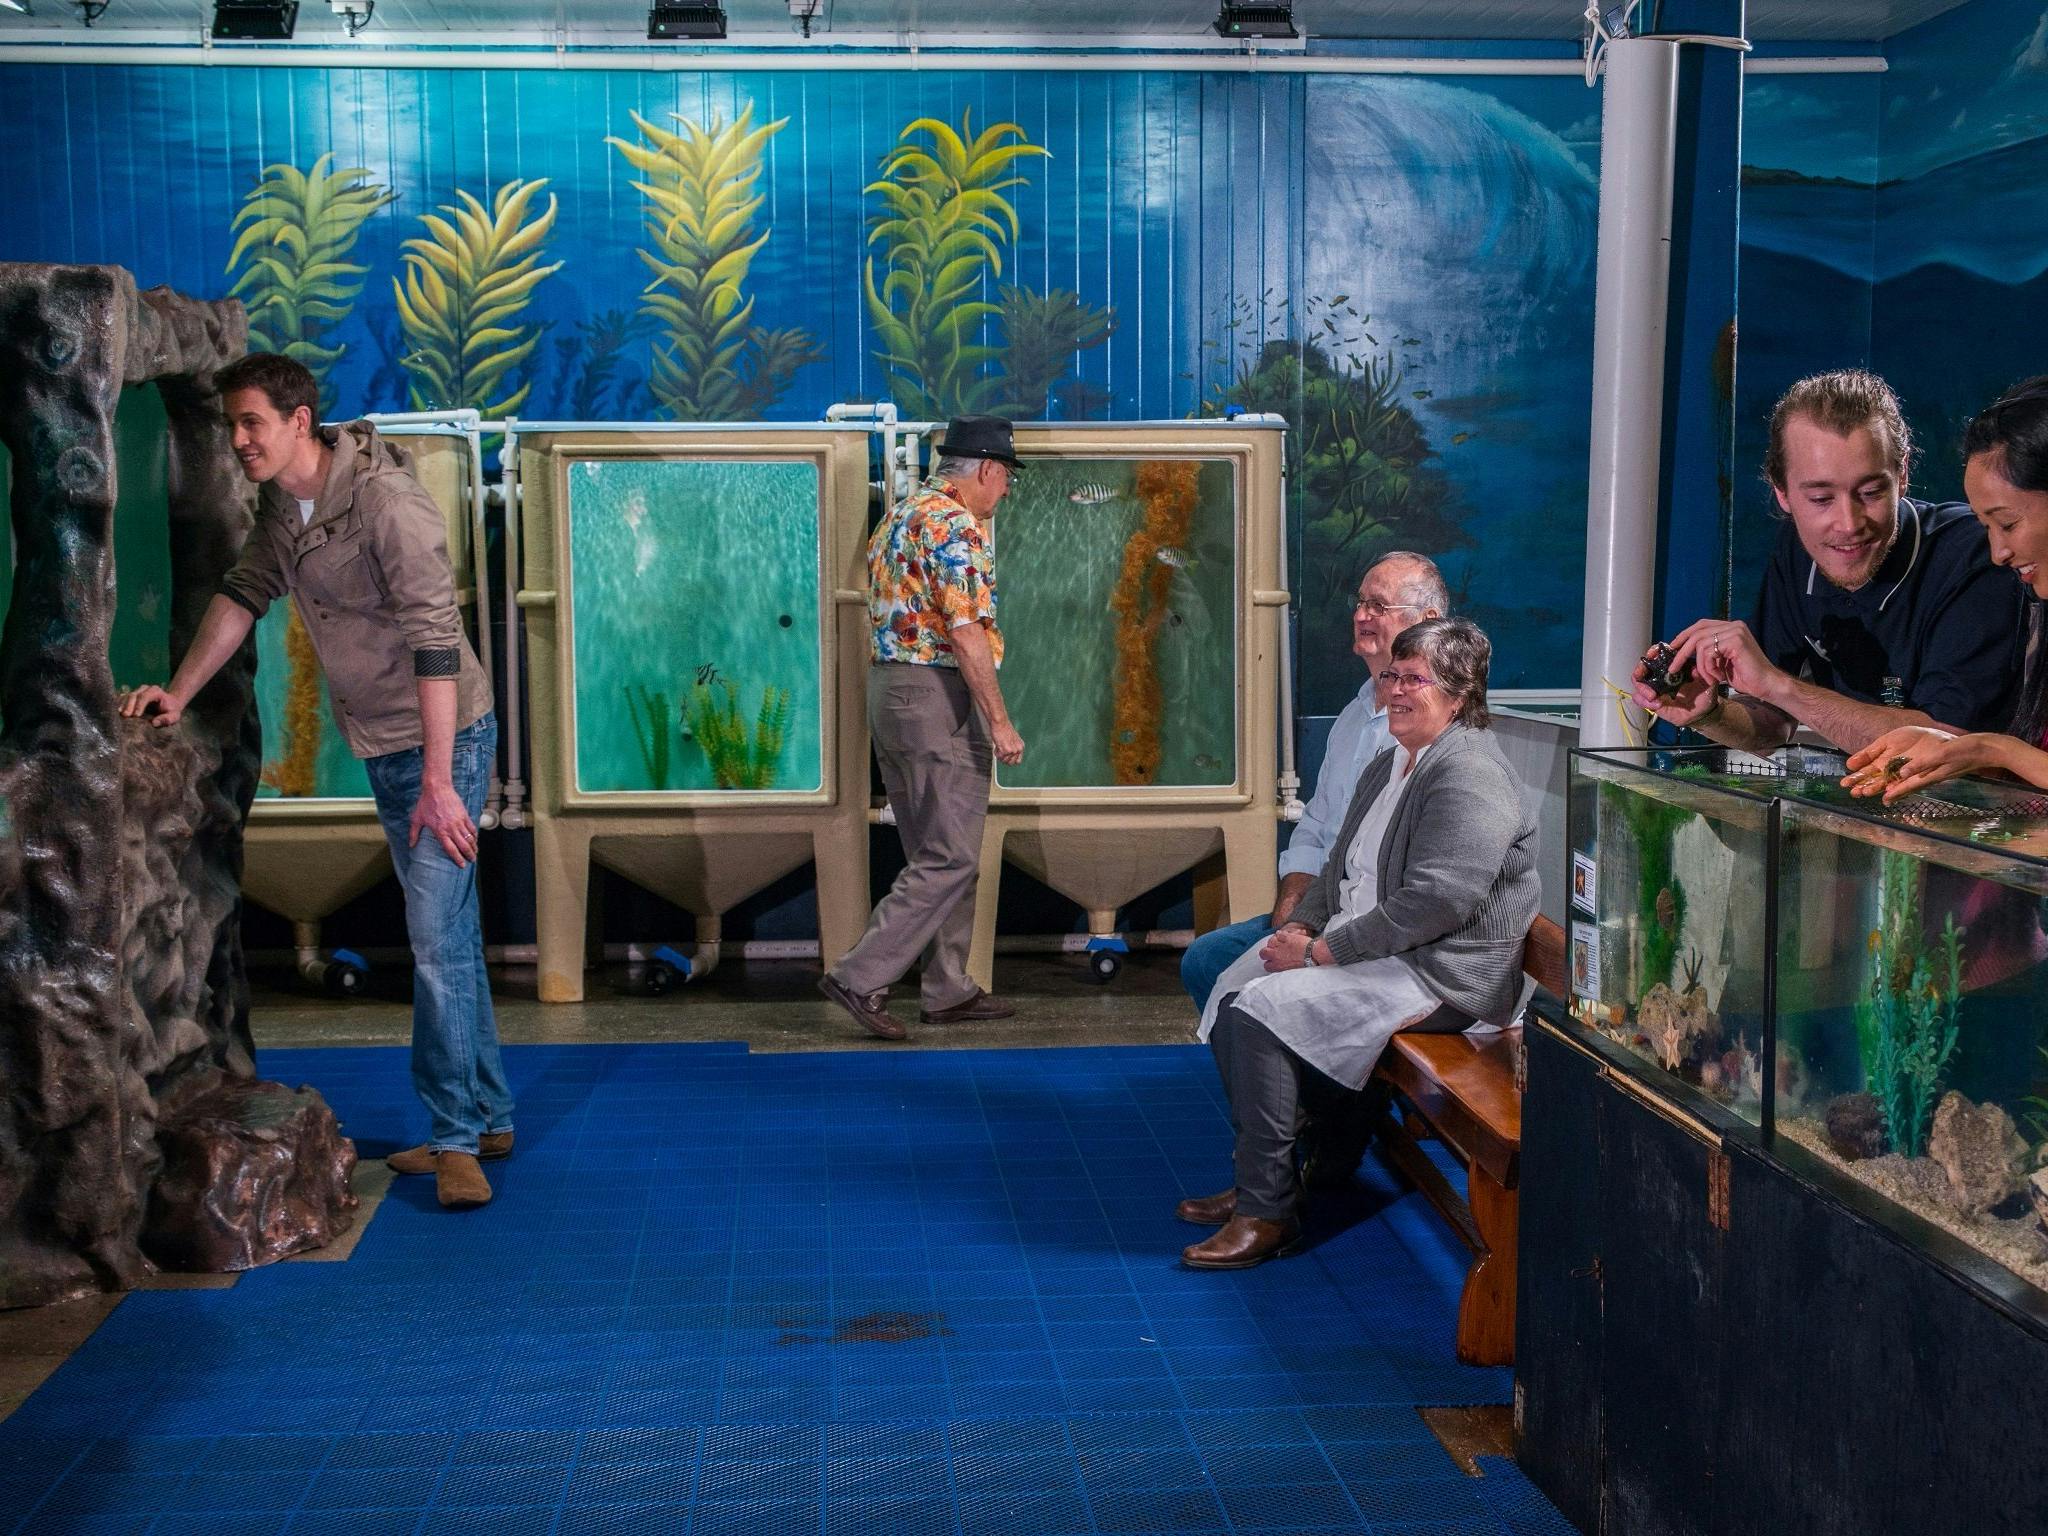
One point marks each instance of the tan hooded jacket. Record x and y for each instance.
(370, 575)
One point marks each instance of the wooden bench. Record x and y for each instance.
(1466, 1091)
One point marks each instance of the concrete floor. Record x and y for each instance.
(770, 1005)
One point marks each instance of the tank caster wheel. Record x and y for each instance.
(1103, 966)
(346, 975)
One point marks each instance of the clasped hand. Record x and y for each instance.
(1287, 949)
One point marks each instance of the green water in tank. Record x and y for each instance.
(1079, 562)
(138, 648)
(694, 588)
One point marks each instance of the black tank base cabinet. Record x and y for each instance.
(1712, 1340)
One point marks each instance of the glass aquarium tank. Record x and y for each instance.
(1667, 944)
(695, 621)
(138, 648)
(1899, 959)
(1913, 1003)
(1115, 580)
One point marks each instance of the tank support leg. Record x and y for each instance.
(841, 854)
(981, 958)
(561, 860)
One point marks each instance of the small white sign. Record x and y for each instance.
(1586, 961)
(1585, 883)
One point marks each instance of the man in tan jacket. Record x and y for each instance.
(345, 530)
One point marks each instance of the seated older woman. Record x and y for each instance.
(1416, 920)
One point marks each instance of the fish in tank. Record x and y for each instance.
(695, 624)
(1116, 592)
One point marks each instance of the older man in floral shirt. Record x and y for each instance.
(937, 715)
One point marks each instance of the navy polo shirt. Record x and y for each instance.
(1938, 616)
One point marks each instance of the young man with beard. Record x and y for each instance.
(1877, 611)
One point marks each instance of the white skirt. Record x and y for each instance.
(1337, 1018)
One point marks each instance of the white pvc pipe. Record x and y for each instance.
(515, 624)
(1638, 129)
(679, 61)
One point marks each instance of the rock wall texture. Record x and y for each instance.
(122, 989)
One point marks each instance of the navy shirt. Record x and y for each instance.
(1938, 616)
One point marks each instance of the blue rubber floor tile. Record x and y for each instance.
(991, 1513)
(216, 1523)
(354, 1522)
(490, 1520)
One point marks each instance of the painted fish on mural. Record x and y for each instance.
(1091, 494)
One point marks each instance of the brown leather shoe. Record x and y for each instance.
(459, 1181)
(867, 1011)
(1208, 1210)
(977, 1009)
(491, 1147)
(1243, 1242)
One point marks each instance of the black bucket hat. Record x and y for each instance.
(980, 437)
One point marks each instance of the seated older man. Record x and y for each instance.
(1398, 589)
(1416, 920)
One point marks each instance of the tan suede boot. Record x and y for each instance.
(459, 1181)
(490, 1148)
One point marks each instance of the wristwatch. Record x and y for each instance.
(1308, 955)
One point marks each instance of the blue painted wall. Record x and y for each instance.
(1403, 266)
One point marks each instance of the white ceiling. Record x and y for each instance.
(1068, 22)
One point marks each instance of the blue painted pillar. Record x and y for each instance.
(1696, 505)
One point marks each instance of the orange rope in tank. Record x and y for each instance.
(1168, 491)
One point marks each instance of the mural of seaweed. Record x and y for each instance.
(466, 282)
(297, 230)
(1041, 334)
(1168, 491)
(649, 712)
(943, 226)
(699, 186)
(740, 759)
(595, 355)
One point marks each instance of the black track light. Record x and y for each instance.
(1251, 20)
(670, 23)
(255, 21)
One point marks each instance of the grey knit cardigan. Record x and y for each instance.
(1458, 883)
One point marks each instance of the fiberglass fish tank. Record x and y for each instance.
(1862, 989)
(696, 621)
(1140, 597)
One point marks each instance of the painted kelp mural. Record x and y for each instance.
(1400, 267)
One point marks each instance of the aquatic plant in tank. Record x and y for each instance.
(1116, 596)
(1914, 995)
(695, 642)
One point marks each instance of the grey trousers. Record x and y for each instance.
(1273, 1095)
(936, 764)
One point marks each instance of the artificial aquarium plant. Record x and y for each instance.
(467, 281)
(297, 772)
(649, 712)
(710, 364)
(739, 759)
(1911, 1028)
(1660, 896)
(297, 229)
(1167, 491)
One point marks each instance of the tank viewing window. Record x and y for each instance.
(138, 647)
(1115, 581)
(694, 621)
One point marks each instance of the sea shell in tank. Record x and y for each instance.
(1667, 910)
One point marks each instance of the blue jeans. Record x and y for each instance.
(1216, 951)
(456, 1067)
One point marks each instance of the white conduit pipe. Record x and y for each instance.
(514, 814)
(906, 58)
(1638, 131)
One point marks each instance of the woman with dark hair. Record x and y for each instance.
(1416, 920)
(2005, 475)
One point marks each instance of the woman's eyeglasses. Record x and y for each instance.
(1402, 682)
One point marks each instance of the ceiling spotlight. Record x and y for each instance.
(1252, 20)
(354, 14)
(810, 15)
(670, 23)
(254, 21)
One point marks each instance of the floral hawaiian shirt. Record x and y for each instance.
(930, 568)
